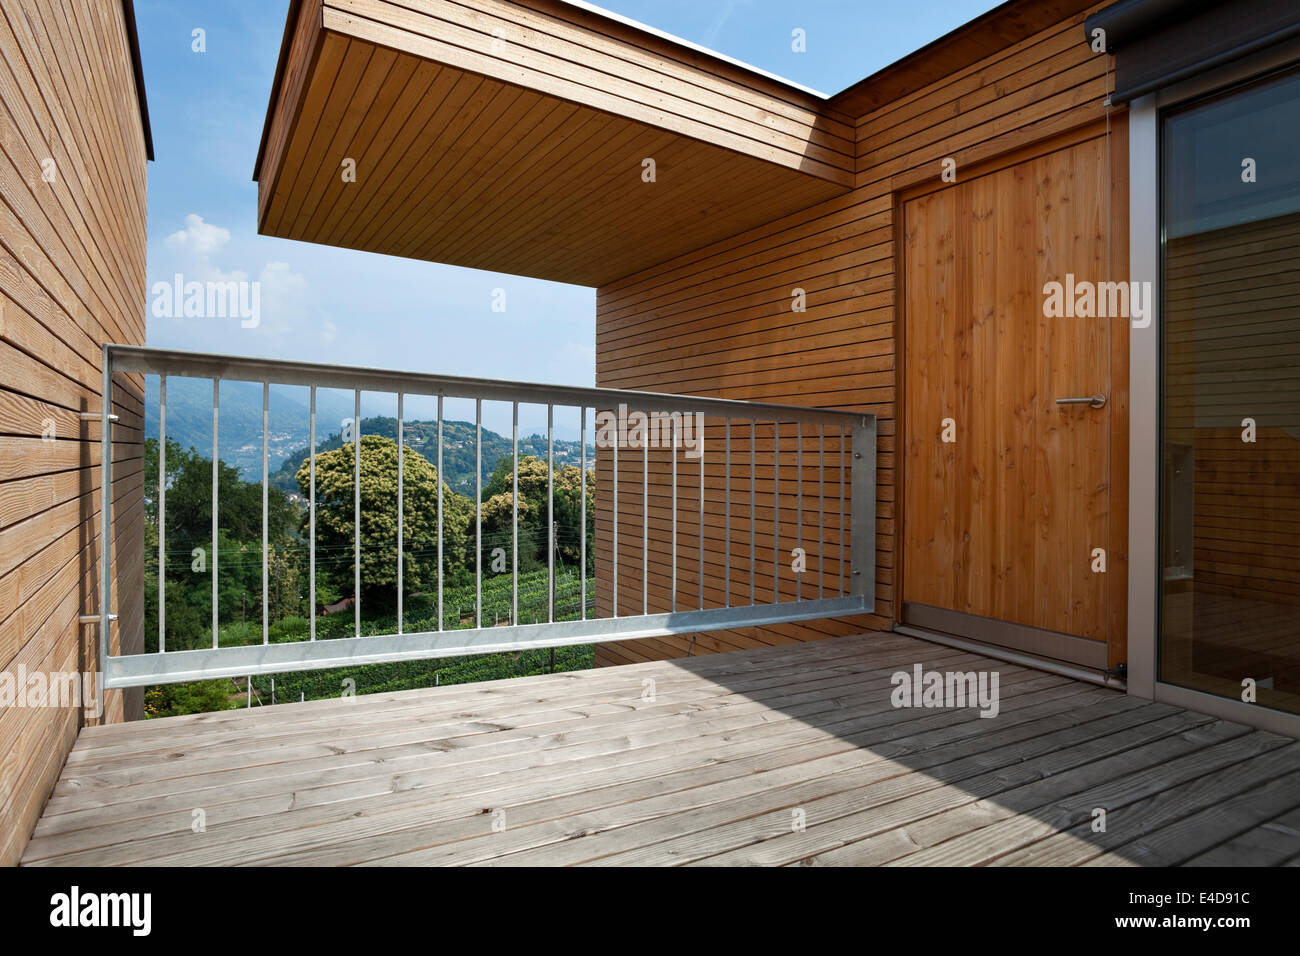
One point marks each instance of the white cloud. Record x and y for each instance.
(282, 288)
(199, 237)
(281, 295)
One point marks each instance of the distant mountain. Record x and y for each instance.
(239, 423)
(457, 450)
(239, 432)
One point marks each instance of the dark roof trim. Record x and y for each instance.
(133, 40)
(1131, 20)
(1158, 43)
(290, 24)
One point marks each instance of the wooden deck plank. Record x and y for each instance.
(91, 789)
(888, 803)
(568, 702)
(1071, 846)
(677, 789)
(1223, 822)
(874, 760)
(1274, 843)
(709, 772)
(1121, 783)
(548, 759)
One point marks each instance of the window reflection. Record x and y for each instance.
(1230, 528)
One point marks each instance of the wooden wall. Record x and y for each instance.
(719, 321)
(72, 276)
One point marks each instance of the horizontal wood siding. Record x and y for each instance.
(72, 276)
(720, 321)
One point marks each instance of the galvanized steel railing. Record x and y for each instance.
(852, 437)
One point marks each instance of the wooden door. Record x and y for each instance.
(1001, 521)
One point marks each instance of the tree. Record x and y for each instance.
(533, 533)
(189, 499)
(188, 543)
(336, 517)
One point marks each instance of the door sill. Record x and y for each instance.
(1035, 641)
(1075, 672)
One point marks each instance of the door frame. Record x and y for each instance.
(1145, 263)
(1115, 127)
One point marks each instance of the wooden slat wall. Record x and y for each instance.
(1233, 353)
(72, 276)
(719, 322)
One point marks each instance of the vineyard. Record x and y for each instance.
(420, 614)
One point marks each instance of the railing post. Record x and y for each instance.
(106, 526)
(862, 527)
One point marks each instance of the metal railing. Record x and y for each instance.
(770, 453)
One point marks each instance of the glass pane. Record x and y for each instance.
(1230, 539)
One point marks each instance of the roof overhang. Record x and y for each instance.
(511, 135)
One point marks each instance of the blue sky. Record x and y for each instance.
(334, 305)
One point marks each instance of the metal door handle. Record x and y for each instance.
(1092, 401)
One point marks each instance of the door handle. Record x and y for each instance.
(1092, 401)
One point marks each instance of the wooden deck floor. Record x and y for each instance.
(716, 762)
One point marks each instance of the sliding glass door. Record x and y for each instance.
(1230, 491)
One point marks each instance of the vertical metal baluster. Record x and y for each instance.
(311, 513)
(842, 482)
(753, 506)
(216, 405)
(514, 521)
(672, 503)
(776, 512)
(440, 482)
(618, 444)
(645, 522)
(401, 488)
(550, 511)
(726, 508)
(582, 557)
(105, 629)
(821, 509)
(266, 550)
(162, 514)
(478, 512)
(798, 504)
(356, 511)
(701, 568)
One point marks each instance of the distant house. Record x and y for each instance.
(344, 605)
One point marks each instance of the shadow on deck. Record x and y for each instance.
(782, 755)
